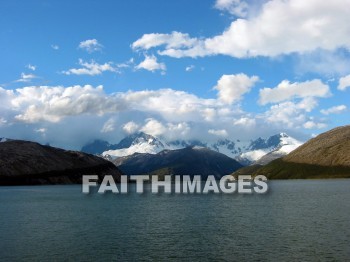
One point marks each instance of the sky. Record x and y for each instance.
(75, 71)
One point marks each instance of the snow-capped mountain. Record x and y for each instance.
(138, 143)
(275, 146)
(230, 148)
(248, 152)
(245, 152)
(2, 139)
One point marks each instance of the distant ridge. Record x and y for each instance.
(188, 161)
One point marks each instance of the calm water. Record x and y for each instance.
(296, 220)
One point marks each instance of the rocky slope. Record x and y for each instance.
(325, 156)
(29, 163)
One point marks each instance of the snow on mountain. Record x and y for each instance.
(288, 144)
(251, 151)
(2, 139)
(272, 148)
(138, 143)
(230, 148)
(244, 151)
(254, 155)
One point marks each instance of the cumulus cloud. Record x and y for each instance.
(178, 129)
(334, 110)
(130, 127)
(245, 122)
(234, 7)
(74, 115)
(51, 104)
(171, 105)
(92, 68)
(151, 64)
(5, 98)
(173, 40)
(286, 91)
(290, 114)
(153, 127)
(314, 125)
(280, 27)
(90, 45)
(231, 88)
(218, 132)
(344, 83)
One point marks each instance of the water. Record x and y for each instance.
(297, 220)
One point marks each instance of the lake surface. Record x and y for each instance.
(296, 220)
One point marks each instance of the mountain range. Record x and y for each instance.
(325, 156)
(190, 161)
(245, 152)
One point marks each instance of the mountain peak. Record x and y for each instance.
(135, 138)
(283, 134)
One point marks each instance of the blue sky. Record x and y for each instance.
(73, 71)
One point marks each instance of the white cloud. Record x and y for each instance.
(208, 114)
(151, 64)
(286, 91)
(234, 7)
(178, 129)
(344, 83)
(90, 45)
(26, 77)
(153, 127)
(289, 114)
(130, 127)
(218, 132)
(73, 115)
(172, 105)
(31, 67)
(189, 68)
(109, 126)
(52, 104)
(314, 125)
(334, 110)
(92, 68)
(232, 87)
(245, 122)
(280, 27)
(173, 40)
